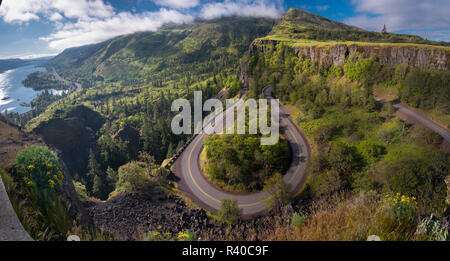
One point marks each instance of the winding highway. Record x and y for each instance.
(194, 185)
(73, 86)
(414, 116)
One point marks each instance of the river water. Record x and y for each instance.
(12, 91)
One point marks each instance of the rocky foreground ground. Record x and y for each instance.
(129, 216)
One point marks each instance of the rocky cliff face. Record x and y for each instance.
(72, 134)
(13, 140)
(413, 56)
(425, 57)
(321, 47)
(132, 138)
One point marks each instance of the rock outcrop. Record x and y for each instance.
(130, 215)
(72, 133)
(421, 56)
(131, 136)
(392, 55)
(12, 141)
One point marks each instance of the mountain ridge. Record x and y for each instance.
(296, 26)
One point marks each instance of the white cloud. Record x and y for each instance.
(402, 15)
(56, 17)
(91, 31)
(251, 8)
(322, 7)
(178, 3)
(19, 11)
(82, 22)
(39, 55)
(28, 55)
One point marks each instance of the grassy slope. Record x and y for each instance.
(303, 28)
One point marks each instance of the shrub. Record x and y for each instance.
(433, 230)
(333, 171)
(81, 191)
(396, 218)
(326, 132)
(391, 131)
(326, 183)
(38, 173)
(298, 220)
(356, 68)
(424, 136)
(229, 211)
(371, 150)
(133, 176)
(345, 159)
(415, 171)
(38, 168)
(280, 193)
(427, 89)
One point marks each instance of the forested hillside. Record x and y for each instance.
(363, 155)
(131, 81)
(370, 171)
(174, 54)
(9, 64)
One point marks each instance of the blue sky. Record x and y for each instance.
(32, 28)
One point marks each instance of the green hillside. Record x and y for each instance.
(297, 19)
(131, 81)
(299, 24)
(385, 174)
(365, 158)
(171, 54)
(9, 64)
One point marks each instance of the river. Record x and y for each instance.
(12, 91)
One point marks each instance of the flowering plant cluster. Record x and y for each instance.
(156, 235)
(39, 169)
(401, 199)
(47, 175)
(404, 206)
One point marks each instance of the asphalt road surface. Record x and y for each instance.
(420, 119)
(195, 186)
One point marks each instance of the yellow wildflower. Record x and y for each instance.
(182, 235)
(51, 183)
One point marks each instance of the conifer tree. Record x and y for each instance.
(94, 170)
